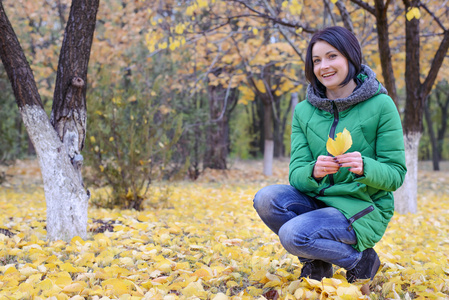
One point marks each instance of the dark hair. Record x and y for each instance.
(344, 41)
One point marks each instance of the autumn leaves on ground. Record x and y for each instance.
(204, 241)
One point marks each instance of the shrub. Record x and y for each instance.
(130, 144)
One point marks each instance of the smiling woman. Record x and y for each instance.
(337, 208)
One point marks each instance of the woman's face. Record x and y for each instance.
(329, 65)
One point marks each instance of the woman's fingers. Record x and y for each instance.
(352, 160)
(325, 165)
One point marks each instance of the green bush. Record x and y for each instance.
(130, 143)
(13, 136)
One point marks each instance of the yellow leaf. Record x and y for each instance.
(75, 287)
(202, 273)
(27, 271)
(341, 144)
(194, 289)
(220, 296)
(413, 13)
(78, 239)
(68, 268)
(10, 270)
(118, 286)
(45, 284)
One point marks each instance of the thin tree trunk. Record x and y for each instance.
(433, 139)
(295, 101)
(384, 49)
(444, 107)
(278, 131)
(268, 140)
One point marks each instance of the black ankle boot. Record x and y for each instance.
(317, 269)
(366, 268)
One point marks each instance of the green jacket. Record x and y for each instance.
(375, 126)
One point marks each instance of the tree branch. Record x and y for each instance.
(281, 30)
(433, 16)
(345, 15)
(327, 7)
(16, 65)
(365, 6)
(436, 65)
(274, 19)
(69, 103)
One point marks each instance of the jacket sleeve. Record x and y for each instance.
(301, 159)
(387, 171)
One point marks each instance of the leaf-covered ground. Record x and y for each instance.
(205, 241)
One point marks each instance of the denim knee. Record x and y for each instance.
(262, 201)
(292, 239)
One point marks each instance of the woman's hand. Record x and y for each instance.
(352, 160)
(325, 165)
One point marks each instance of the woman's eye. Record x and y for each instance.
(333, 56)
(315, 61)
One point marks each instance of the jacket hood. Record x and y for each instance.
(367, 87)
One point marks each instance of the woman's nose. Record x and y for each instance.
(324, 64)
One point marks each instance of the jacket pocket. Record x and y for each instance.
(359, 215)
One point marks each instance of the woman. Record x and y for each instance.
(337, 208)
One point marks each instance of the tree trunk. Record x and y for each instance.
(406, 195)
(417, 92)
(444, 108)
(384, 49)
(294, 102)
(65, 196)
(433, 139)
(278, 132)
(268, 140)
(68, 114)
(217, 146)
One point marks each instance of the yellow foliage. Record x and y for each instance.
(246, 95)
(260, 86)
(413, 13)
(210, 244)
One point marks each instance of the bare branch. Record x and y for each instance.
(327, 7)
(365, 6)
(283, 32)
(274, 19)
(433, 15)
(436, 65)
(345, 15)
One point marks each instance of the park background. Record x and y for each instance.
(189, 107)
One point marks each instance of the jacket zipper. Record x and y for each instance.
(332, 135)
(359, 215)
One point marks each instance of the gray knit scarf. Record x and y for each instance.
(367, 87)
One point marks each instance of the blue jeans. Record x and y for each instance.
(306, 227)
